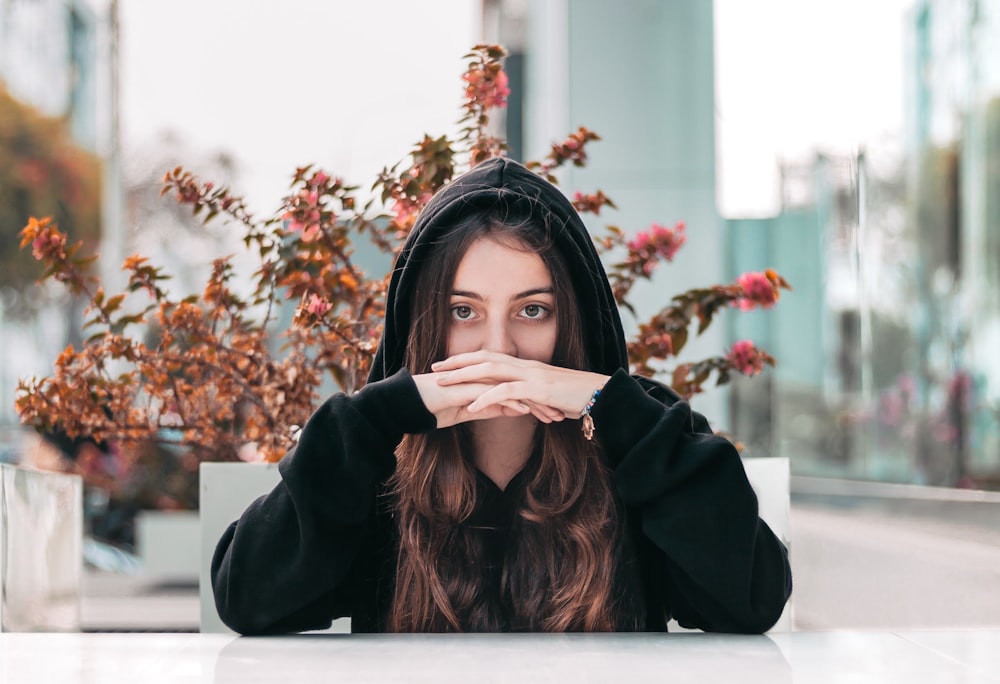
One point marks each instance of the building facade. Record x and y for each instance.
(887, 351)
(49, 60)
(641, 75)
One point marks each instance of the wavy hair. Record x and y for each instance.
(558, 570)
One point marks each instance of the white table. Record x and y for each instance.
(848, 656)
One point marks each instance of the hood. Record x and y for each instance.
(505, 183)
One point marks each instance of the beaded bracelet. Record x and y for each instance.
(588, 421)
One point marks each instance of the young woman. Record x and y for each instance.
(502, 470)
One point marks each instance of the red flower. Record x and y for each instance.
(758, 290)
(486, 88)
(659, 240)
(317, 306)
(746, 358)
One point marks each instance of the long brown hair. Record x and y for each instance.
(559, 568)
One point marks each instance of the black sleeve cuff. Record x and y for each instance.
(393, 407)
(623, 414)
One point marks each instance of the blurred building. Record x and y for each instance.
(641, 75)
(887, 365)
(48, 59)
(953, 148)
(887, 347)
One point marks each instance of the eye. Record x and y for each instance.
(461, 312)
(534, 311)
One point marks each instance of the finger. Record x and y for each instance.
(513, 409)
(496, 396)
(517, 407)
(460, 415)
(506, 391)
(552, 415)
(508, 409)
(472, 358)
(498, 368)
(483, 372)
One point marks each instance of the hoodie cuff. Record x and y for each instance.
(623, 414)
(393, 407)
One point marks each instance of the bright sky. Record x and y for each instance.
(351, 85)
(799, 75)
(348, 85)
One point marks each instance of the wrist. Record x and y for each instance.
(586, 420)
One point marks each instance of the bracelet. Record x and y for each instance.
(588, 421)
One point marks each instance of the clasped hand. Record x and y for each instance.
(481, 385)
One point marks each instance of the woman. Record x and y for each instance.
(501, 470)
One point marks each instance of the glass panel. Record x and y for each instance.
(41, 538)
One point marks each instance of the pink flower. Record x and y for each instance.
(659, 240)
(404, 211)
(758, 290)
(639, 242)
(486, 90)
(666, 344)
(307, 223)
(317, 306)
(46, 242)
(310, 233)
(501, 90)
(38, 247)
(746, 358)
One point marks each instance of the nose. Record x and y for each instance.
(499, 338)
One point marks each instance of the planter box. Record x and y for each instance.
(167, 545)
(226, 489)
(41, 550)
(770, 478)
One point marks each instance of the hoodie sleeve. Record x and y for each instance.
(286, 564)
(726, 571)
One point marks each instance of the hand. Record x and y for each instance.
(449, 403)
(549, 393)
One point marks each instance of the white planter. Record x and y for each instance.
(226, 489)
(770, 479)
(167, 543)
(41, 550)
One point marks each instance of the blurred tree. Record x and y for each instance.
(42, 172)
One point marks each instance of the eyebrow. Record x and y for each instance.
(520, 295)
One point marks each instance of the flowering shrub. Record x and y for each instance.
(209, 378)
(42, 171)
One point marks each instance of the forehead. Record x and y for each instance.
(497, 263)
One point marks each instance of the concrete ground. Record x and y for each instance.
(115, 602)
(853, 567)
(867, 569)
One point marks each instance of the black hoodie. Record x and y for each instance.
(321, 544)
